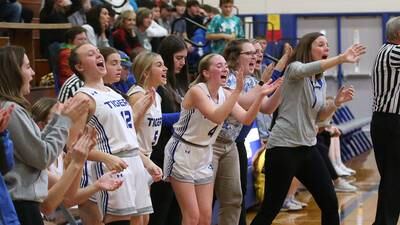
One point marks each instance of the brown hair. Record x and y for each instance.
(204, 64)
(302, 52)
(232, 52)
(141, 14)
(11, 60)
(142, 64)
(74, 59)
(41, 109)
(221, 2)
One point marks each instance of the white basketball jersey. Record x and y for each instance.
(150, 126)
(113, 120)
(194, 127)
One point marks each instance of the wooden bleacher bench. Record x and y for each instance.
(26, 35)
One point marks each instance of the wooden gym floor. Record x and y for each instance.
(355, 208)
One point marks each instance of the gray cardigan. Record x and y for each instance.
(303, 98)
(34, 151)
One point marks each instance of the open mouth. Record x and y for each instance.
(324, 56)
(223, 76)
(100, 64)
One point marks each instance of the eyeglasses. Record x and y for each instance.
(249, 53)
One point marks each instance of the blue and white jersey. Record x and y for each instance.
(150, 127)
(113, 120)
(194, 127)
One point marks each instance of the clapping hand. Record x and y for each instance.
(109, 181)
(271, 86)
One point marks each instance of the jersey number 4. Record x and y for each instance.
(212, 131)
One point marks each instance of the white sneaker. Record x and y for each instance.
(295, 201)
(340, 172)
(347, 169)
(289, 205)
(342, 185)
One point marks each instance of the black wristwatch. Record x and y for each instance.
(261, 83)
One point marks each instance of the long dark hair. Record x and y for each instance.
(11, 60)
(93, 18)
(302, 52)
(177, 84)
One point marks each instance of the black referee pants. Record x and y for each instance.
(385, 133)
(281, 165)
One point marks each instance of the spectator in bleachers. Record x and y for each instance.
(224, 27)
(26, 15)
(179, 25)
(144, 19)
(58, 12)
(124, 36)
(73, 37)
(174, 52)
(192, 12)
(127, 78)
(165, 19)
(10, 11)
(291, 149)
(155, 11)
(208, 12)
(33, 151)
(98, 26)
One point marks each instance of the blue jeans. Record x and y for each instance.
(10, 12)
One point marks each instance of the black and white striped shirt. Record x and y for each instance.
(69, 88)
(386, 79)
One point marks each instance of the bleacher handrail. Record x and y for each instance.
(187, 39)
(32, 26)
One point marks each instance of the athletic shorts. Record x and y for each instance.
(133, 197)
(188, 163)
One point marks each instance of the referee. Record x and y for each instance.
(385, 125)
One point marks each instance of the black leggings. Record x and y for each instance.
(305, 163)
(28, 212)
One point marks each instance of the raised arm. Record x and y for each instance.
(344, 94)
(301, 70)
(197, 98)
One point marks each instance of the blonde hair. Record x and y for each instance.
(204, 64)
(142, 64)
(119, 22)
